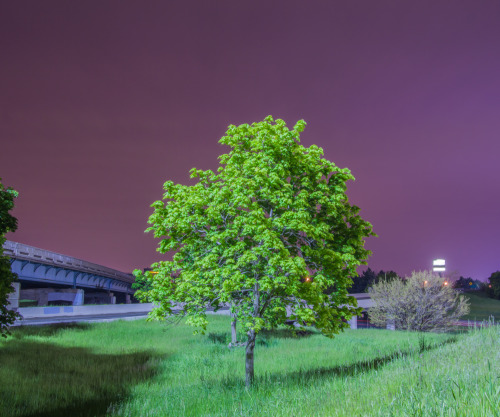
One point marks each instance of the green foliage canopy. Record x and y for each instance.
(271, 230)
(8, 223)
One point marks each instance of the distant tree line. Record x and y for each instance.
(463, 283)
(490, 287)
(368, 278)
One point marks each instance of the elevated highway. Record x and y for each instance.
(41, 271)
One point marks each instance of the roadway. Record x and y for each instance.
(38, 321)
(94, 318)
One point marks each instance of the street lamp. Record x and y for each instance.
(439, 265)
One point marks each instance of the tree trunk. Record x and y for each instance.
(234, 335)
(249, 373)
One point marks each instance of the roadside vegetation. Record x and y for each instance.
(141, 368)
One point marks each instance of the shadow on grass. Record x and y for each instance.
(310, 376)
(287, 333)
(45, 330)
(307, 376)
(265, 338)
(43, 379)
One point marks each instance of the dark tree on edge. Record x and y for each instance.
(8, 223)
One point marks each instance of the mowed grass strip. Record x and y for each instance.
(147, 369)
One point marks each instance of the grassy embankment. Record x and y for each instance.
(145, 369)
(481, 306)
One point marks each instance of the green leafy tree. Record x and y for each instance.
(8, 223)
(494, 285)
(266, 235)
(423, 302)
(362, 282)
(141, 282)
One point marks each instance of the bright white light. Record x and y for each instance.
(438, 265)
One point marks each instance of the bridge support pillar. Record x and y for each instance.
(78, 301)
(112, 298)
(13, 299)
(44, 295)
(353, 323)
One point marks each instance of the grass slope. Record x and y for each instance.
(146, 369)
(481, 306)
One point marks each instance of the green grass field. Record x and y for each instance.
(138, 368)
(482, 306)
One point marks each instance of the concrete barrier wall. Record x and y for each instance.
(365, 303)
(54, 311)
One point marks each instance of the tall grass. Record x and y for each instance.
(147, 369)
(46, 372)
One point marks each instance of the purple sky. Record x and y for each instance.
(102, 102)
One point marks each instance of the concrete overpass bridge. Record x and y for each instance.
(50, 277)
